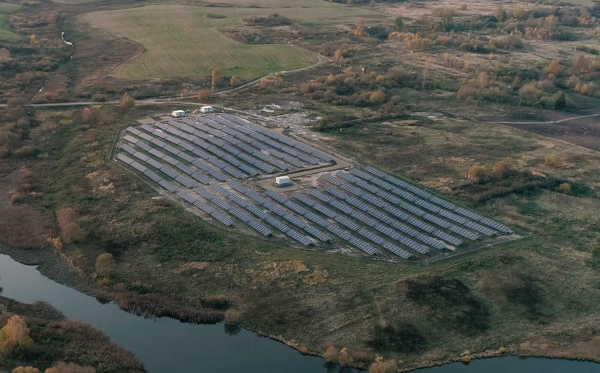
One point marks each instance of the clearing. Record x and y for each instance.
(5, 33)
(180, 41)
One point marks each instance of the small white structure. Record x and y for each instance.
(283, 181)
(206, 109)
(178, 114)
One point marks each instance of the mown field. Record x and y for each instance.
(5, 33)
(180, 42)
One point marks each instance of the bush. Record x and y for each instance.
(503, 166)
(16, 199)
(14, 335)
(331, 354)
(65, 216)
(26, 151)
(565, 188)
(98, 97)
(73, 233)
(105, 264)
(476, 172)
(383, 366)
(361, 356)
(26, 370)
(303, 350)
(344, 358)
(553, 161)
(70, 368)
(233, 316)
(377, 97)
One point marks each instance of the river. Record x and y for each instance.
(165, 345)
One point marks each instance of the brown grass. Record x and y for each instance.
(23, 227)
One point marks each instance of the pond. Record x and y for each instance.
(166, 345)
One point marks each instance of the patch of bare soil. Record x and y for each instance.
(582, 130)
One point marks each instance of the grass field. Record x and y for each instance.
(5, 33)
(180, 42)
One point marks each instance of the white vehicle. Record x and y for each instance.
(178, 114)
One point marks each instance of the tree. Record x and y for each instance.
(561, 101)
(65, 216)
(26, 370)
(373, 3)
(70, 368)
(377, 97)
(519, 12)
(4, 55)
(476, 172)
(344, 358)
(203, 95)
(360, 31)
(331, 354)
(32, 41)
(330, 80)
(553, 68)
(383, 366)
(72, 233)
(126, 100)
(234, 82)
(233, 316)
(338, 56)
(105, 264)
(398, 24)
(216, 78)
(553, 160)
(350, 3)
(14, 335)
(86, 114)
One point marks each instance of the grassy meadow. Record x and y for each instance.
(5, 33)
(179, 41)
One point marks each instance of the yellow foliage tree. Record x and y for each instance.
(72, 233)
(330, 80)
(105, 264)
(216, 78)
(86, 114)
(360, 31)
(32, 41)
(377, 97)
(383, 366)
(476, 172)
(565, 188)
(234, 82)
(14, 335)
(331, 354)
(126, 100)
(344, 357)
(203, 95)
(553, 160)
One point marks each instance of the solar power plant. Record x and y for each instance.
(436, 200)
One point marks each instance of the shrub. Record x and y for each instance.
(235, 81)
(565, 188)
(204, 94)
(303, 350)
(14, 335)
(377, 97)
(233, 316)
(127, 101)
(331, 354)
(65, 216)
(466, 92)
(26, 370)
(105, 264)
(361, 356)
(86, 114)
(72, 233)
(70, 368)
(26, 151)
(503, 166)
(476, 172)
(344, 358)
(16, 199)
(383, 366)
(552, 160)
(98, 97)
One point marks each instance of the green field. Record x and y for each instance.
(180, 42)
(5, 33)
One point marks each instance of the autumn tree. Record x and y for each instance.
(14, 335)
(383, 366)
(565, 188)
(553, 68)
(65, 216)
(4, 55)
(350, 3)
(73, 233)
(519, 12)
(476, 172)
(330, 80)
(331, 354)
(553, 160)
(338, 56)
(86, 114)
(233, 316)
(359, 31)
(105, 264)
(203, 95)
(32, 41)
(234, 82)
(126, 100)
(216, 78)
(377, 97)
(500, 13)
(373, 3)
(344, 358)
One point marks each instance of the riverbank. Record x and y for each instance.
(56, 339)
